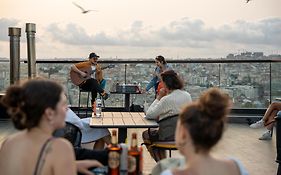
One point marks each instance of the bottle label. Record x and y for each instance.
(113, 159)
(132, 164)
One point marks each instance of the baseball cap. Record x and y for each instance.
(93, 55)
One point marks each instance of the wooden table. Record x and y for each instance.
(122, 121)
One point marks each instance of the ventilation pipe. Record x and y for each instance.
(31, 57)
(14, 34)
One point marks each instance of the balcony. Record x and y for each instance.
(252, 85)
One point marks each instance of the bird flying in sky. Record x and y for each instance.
(83, 10)
(247, 1)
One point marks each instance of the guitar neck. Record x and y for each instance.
(93, 71)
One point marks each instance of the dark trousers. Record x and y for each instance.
(93, 86)
(83, 154)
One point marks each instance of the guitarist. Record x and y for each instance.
(92, 83)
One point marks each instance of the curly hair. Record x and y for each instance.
(171, 80)
(26, 103)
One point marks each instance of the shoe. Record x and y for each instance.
(258, 124)
(105, 95)
(266, 136)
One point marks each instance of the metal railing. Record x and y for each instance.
(250, 83)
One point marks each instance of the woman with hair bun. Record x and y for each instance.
(199, 128)
(37, 108)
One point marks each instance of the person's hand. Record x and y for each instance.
(83, 74)
(84, 165)
(162, 92)
(143, 91)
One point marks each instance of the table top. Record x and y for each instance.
(122, 120)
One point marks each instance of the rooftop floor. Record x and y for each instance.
(239, 141)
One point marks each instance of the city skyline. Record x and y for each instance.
(144, 29)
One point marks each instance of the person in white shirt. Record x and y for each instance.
(100, 136)
(199, 128)
(163, 107)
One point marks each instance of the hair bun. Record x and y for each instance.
(214, 103)
(13, 101)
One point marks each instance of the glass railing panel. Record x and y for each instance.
(136, 73)
(4, 75)
(197, 77)
(276, 80)
(248, 84)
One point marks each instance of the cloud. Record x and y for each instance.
(185, 32)
(263, 32)
(5, 23)
(72, 34)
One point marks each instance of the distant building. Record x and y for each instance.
(230, 56)
(257, 54)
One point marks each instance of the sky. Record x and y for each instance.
(144, 28)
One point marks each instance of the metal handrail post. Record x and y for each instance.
(31, 56)
(14, 34)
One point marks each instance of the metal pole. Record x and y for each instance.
(14, 34)
(125, 73)
(30, 30)
(270, 86)
(219, 75)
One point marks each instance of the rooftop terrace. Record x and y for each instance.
(252, 84)
(239, 141)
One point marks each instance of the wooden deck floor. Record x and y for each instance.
(239, 141)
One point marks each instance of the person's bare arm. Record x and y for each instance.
(84, 165)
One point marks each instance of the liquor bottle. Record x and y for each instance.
(134, 157)
(98, 107)
(141, 160)
(114, 151)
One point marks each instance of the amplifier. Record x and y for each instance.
(127, 88)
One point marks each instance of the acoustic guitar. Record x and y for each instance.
(77, 79)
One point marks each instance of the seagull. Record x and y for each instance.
(247, 1)
(83, 10)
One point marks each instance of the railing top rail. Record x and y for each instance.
(123, 61)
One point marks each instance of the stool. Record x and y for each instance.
(165, 145)
(162, 145)
(79, 98)
(102, 84)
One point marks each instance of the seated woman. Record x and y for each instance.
(165, 106)
(199, 128)
(37, 108)
(98, 135)
(268, 120)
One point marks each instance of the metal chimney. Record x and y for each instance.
(14, 34)
(31, 57)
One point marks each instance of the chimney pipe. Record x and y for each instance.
(30, 30)
(14, 34)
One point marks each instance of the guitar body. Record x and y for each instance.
(76, 77)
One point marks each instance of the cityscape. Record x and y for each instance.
(248, 84)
